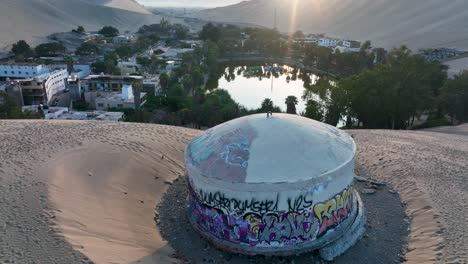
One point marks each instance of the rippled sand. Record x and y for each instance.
(86, 191)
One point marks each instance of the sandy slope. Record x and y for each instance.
(33, 20)
(129, 5)
(416, 23)
(97, 184)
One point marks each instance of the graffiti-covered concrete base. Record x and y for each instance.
(349, 238)
(218, 229)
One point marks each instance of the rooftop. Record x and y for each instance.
(259, 149)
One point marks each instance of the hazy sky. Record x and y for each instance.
(188, 3)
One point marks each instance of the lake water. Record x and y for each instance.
(250, 85)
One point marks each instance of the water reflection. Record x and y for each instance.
(250, 85)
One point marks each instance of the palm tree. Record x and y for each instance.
(291, 102)
(267, 105)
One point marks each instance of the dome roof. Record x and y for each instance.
(260, 149)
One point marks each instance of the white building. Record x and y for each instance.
(55, 83)
(349, 46)
(21, 71)
(123, 100)
(305, 40)
(128, 67)
(123, 39)
(327, 42)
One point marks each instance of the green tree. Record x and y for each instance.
(218, 107)
(181, 31)
(50, 49)
(124, 51)
(109, 32)
(176, 97)
(291, 102)
(211, 32)
(390, 95)
(9, 109)
(164, 82)
(21, 49)
(79, 29)
(454, 98)
(267, 105)
(87, 48)
(313, 110)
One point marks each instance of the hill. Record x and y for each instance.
(33, 20)
(388, 23)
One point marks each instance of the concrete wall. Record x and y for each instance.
(262, 184)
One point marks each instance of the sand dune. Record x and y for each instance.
(75, 192)
(388, 23)
(33, 20)
(129, 5)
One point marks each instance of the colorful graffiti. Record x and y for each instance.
(253, 229)
(253, 222)
(334, 211)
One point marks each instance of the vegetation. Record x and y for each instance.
(454, 98)
(9, 109)
(50, 49)
(21, 50)
(107, 66)
(87, 48)
(109, 32)
(291, 102)
(79, 29)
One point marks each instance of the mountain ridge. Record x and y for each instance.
(33, 20)
(387, 23)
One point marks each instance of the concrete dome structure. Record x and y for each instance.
(276, 185)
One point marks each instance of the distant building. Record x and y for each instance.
(64, 113)
(128, 67)
(123, 39)
(327, 42)
(348, 46)
(108, 83)
(95, 86)
(21, 71)
(169, 53)
(305, 40)
(123, 100)
(151, 85)
(40, 89)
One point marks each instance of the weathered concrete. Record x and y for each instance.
(276, 185)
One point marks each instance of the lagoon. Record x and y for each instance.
(250, 85)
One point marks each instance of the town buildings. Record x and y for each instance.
(124, 100)
(40, 89)
(123, 39)
(110, 91)
(21, 70)
(327, 42)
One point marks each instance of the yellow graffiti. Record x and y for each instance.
(254, 222)
(328, 208)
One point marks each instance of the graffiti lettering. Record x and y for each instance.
(299, 203)
(334, 211)
(288, 227)
(254, 222)
(219, 200)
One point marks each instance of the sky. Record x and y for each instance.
(188, 3)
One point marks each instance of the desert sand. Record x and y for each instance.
(34, 20)
(387, 23)
(76, 192)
